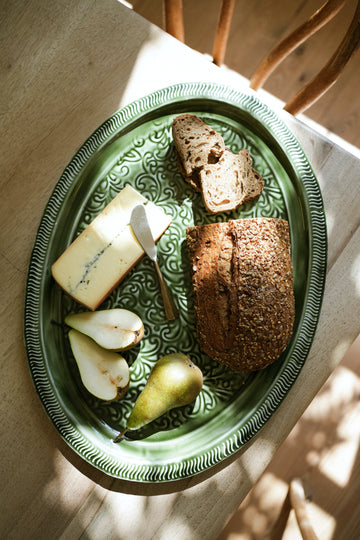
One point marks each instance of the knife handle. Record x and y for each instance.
(171, 311)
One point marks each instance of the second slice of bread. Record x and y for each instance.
(230, 182)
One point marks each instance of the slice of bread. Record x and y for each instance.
(230, 182)
(224, 179)
(243, 294)
(196, 144)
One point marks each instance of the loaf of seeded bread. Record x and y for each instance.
(224, 179)
(230, 182)
(243, 290)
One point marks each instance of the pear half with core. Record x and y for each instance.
(173, 382)
(105, 374)
(114, 329)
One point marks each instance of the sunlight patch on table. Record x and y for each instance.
(339, 463)
(57, 490)
(355, 274)
(153, 47)
(324, 524)
(266, 449)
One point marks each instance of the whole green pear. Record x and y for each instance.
(173, 382)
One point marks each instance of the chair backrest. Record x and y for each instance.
(313, 90)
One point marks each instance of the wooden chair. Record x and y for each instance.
(174, 25)
(313, 90)
(295, 500)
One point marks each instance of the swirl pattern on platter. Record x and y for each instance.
(149, 164)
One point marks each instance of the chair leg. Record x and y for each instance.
(277, 530)
(301, 34)
(297, 499)
(174, 19)
(222, 31)
(331, 72)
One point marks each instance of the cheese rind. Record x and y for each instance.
(101, 256)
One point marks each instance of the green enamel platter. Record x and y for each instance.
(135, 147)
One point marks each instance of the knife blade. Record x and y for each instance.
(141, 228)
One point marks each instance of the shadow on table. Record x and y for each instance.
(323, 450)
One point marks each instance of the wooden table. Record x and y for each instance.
(66, 67)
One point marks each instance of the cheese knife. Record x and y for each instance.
(142, 231)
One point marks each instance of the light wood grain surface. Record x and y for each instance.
(65, 68)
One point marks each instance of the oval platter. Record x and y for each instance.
(135, 147)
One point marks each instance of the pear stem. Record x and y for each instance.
(120, 436)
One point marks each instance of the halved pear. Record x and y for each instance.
(114, 329)
(105, 374)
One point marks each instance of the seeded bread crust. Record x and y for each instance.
(230, 182)
(243, 290)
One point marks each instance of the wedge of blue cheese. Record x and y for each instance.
(101, 256)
